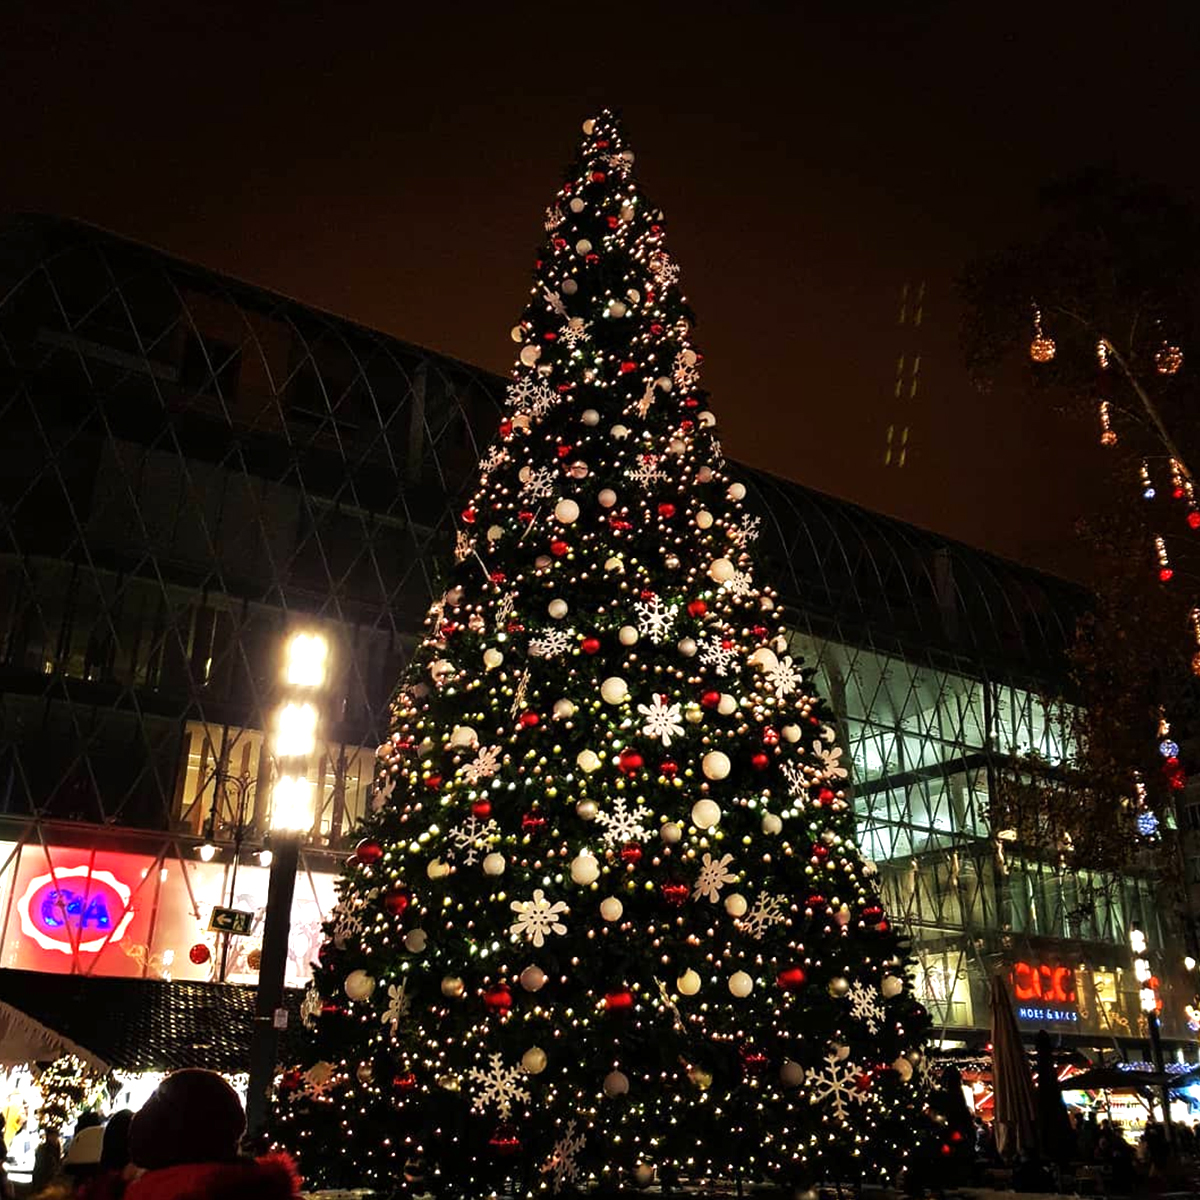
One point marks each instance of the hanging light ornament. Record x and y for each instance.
(1042, 348)
(1165, 571)
(1178, 489)
(1168, 359)
(1194, 621)
(1102, 354)
(1108, 435)
(1148, 491)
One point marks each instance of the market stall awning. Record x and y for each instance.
(1114, 1079)
(141, 1024)
(24, 1040)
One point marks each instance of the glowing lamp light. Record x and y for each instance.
(291, 803)
(207, 852)
(296, 731)
(1137, 941)
(307, 654)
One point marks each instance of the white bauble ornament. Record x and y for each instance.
(704, 475)
(643, 1175)
(583, 246)
(566, 512)
(616, 308)
(586, 810)
(839, 985)
(585, 869)
(791, 1074)
(533, 978)
(530, 354)
(611, 908)
(688, 983)
(676, 446)
(704, 519)
(727, 705)
(764, 658)
(740, 985)
(715, 764)
(671, 833)
(619, 432)
(590, 417)
(693, 714)
(578, 470)
(607, 497)
(705, 813)
(587, 760)
(437, 869)
(576, 205)
(891, 986)
(736, 905)
(462, 736)
(842, 916)
(517, 333)
(569, 286)
(563, 709)
(359, 985)
(558, 609)
(627, 635)
(589, 126)
(791, 733)
(688, 647)
(671, 562)
(688, 357)
(707, 420)
(493, 864)
(452, 986)
(614, 690)
(720, 570)
(441, 670)
(415, 941)
(737, 491)
(365, 1072)
(616, 1083)
(771, 824)
(614, 564)
(534, 1060)
(495, 533)
(903, 1068)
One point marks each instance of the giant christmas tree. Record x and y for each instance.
(608, 916)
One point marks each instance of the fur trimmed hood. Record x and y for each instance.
(272, 1177)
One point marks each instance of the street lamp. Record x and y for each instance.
(1148, 1001)
(294, 738)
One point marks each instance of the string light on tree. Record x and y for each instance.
(1165, 571)
(1042, 348)
(1108, 436)
(602, 746)
(1168, 359)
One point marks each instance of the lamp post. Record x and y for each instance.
(295, 739)
(1148, 1000)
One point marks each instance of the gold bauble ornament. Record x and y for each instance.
(1168, 360)
(1042, 349)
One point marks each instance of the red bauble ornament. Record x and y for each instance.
(481, 809)
(820, 852)
(506, 428)
(791, 979)
(676, 893)
(533, 821)
(598, 176)
(592, 259)
(656, 328)
(754, 1061)
(290, 1081)
(613, 222)
(1193, 519)
(468, 515)
(697, 608)
(770, 736)
(563, 450)
(433, 782)
(525, 515)
(550, 336)
(498, 999)
(497, 577)
(691, 402)
(628, 366)
(558, 547)
(630, 761)
(669, 768)
(505, 1141)
(559, 243)
(620, 523)
(666, 511)
(872, 914)
(590, 645)
(199, 954)
(405, 1082)
(368, 852)
(759, 631)
(631, 853)
(396, 901)
(529, 718)
(815, 900)
(760, 761)
(1165, 574)
(826, 796)
(710, 699)
(619, 1001)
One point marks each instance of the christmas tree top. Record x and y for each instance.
(608, 913)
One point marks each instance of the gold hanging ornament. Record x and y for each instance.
(1168, 359)
(1042, 348)
(1108, 435)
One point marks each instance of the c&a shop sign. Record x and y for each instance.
(75, 909)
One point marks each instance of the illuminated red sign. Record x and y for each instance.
(1043, 982)
(75, 908)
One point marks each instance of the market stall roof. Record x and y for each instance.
(1114, 1079)
(24, 1040)
(141, 1024)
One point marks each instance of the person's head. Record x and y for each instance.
(115, 1153)
(83, 1154)
(88, 1120)
(51, 1136)
(193, 1116)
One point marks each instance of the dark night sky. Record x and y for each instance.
(811, 158)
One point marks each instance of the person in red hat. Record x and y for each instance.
(186, 1138)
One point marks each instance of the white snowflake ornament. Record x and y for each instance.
(714, 875)
(498, 1085)
(537, 917)
(620, 825)
(655, 619)
(664, 721)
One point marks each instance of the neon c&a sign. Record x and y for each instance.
(75, 908)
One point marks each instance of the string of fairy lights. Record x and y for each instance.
(608, 920)
(1168, 361)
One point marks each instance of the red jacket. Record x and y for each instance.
(272, 1177)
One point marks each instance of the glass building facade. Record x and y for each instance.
(192, 466)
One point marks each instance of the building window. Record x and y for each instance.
(210, 366)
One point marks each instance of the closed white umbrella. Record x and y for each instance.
(1012, 1084)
